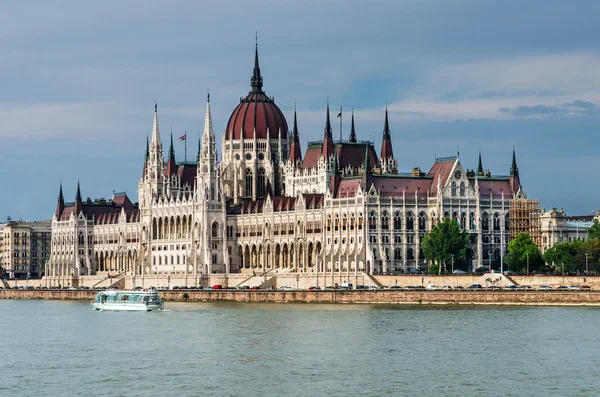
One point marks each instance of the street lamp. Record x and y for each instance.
(452, 255)
(563, 272)
(587, 269)
(528, 264)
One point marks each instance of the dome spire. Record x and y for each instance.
(256, 82)
(479, 165)
(328, 149)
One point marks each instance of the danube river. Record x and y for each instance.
(63, 348)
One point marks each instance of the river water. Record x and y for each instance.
(64, 348)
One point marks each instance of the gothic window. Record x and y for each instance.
(496, 222)
(328, 223)
(260, 183)
(422, 221)
(372, 221)
(397, 254)
(409, 221)
(506, 223)
(453, 192)
(215, 230)
(248, 182)
(471, 221)
(397, 221)
(337, 222)
(344, 222)
(410, 254)
(385, 220)
(212, 191)
(214, 259)
(462, 189)
(463, 220)
(485, 225)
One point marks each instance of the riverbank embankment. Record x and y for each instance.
(567, 298)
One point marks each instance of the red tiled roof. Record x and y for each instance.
(396, 186)
(187, 174)
(350, 154)
(313, 200)
(495, 187)
(256, 111)
(348, 187)
(104, 213)
(440, 172)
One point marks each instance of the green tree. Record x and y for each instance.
(592, 249)
(445, 240)
(521, 249)
(594, 231)
(566, 254)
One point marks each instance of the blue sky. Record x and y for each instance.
(79, 81)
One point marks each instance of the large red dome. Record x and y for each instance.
(256, 112)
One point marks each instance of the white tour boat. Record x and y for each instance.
(116, 300)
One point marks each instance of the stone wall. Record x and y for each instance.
(389, 296)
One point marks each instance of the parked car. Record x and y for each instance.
(217, 286)
(446, 288)
(459, 287)
(313, 288)
(512, 288)
(574, 288)
(563, 287)
(544, 288)
(586, 287)
(475, 287)
(396, 287)
(285, 288)
(431, 287)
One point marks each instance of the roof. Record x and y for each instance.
(349, 153)
(495, 187)
(187, 173)
(103, 211)
(348, 187)
(396, 186)
(440, 171)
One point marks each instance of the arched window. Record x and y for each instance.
(422, 221)
(496, 221)
(485, 224)
(215, 230)
(260, 183)
(212, 191)
(410, 254)
(372, 221)
(409, 221)
(397, 254)
(506, 222)
(472, 221)
(337, 222)
(462, 189)
(248, 182)
(463, 220)
(397, 221)
(385, 220)
(453, 191)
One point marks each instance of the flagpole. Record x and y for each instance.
(185, 147)
(341, 115)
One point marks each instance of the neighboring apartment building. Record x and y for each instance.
(25, 248)
(558, 227)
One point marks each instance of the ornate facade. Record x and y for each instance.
(339, 209)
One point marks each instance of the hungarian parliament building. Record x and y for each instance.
(338, 207)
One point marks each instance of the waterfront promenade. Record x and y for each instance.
(566, 298)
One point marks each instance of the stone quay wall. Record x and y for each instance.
(571, 298)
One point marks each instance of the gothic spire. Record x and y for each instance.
(199, 150)
(147, 150)
(61, 198)
(155, 129)
(208, 127)
(386, 125)
(256, 82)
(352, 131)
(171, 150)
(387, 152)
(479, 165)
(295, 151)
(367, 162)
(514, 170)
(78, 194)
(328, 148)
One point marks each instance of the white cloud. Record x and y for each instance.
(480, 89)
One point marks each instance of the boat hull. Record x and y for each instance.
(126, 307)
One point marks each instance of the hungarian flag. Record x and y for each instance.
(182, 138)
(340, 113)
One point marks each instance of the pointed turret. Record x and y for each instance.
(352, 131)
(328, 149)
(256, 82)
(479, 166)
(295, 151)
(367, 162)
(199, 150)
(515, 181)
(146, 157)
(78, 206)
(208, 153)
(155, 129)
(367, 174)
(171, 164)
(386, 144)
(60, 206)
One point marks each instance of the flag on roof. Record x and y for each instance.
(182, 138)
